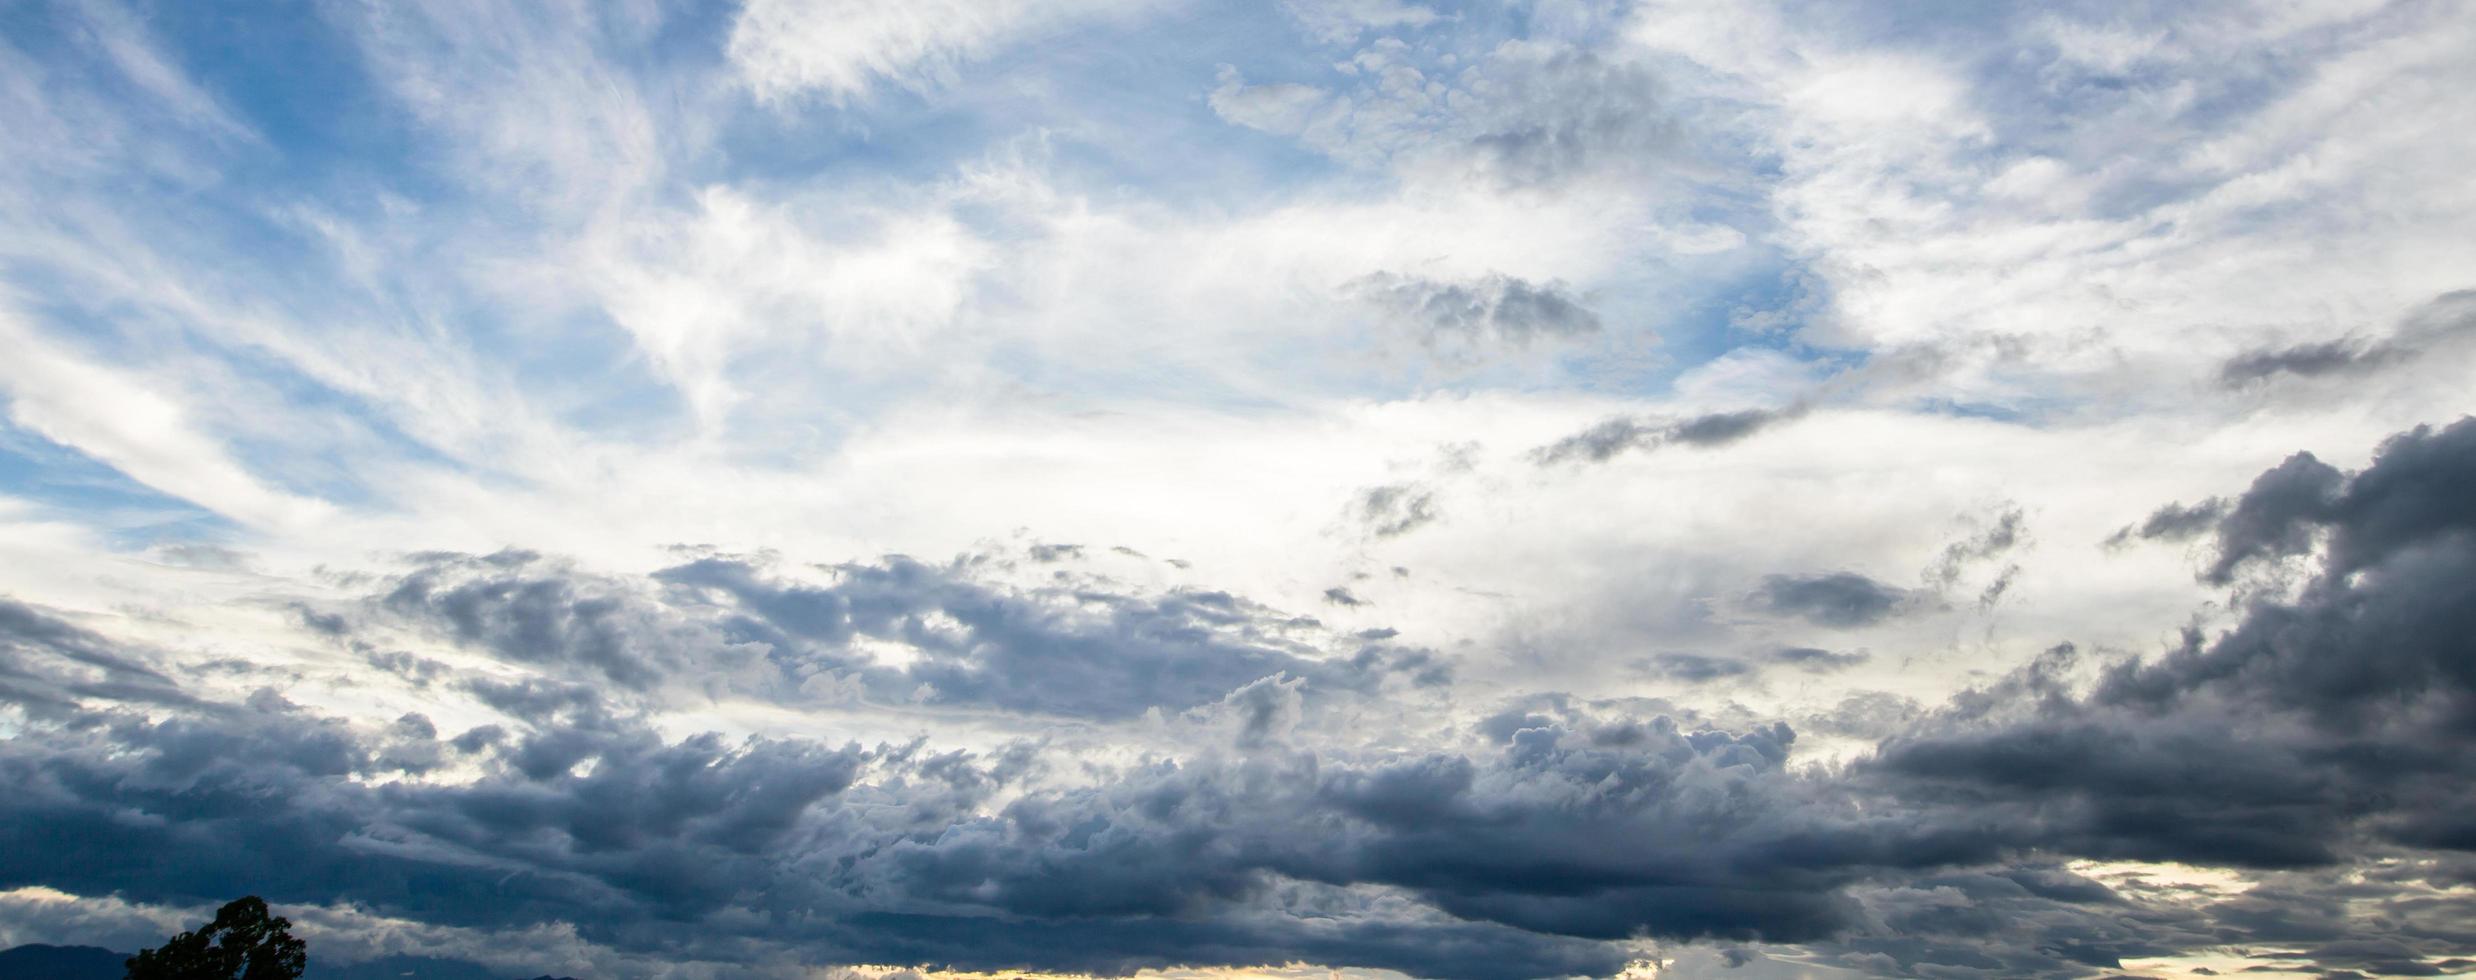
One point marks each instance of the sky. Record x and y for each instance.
(1303, 488)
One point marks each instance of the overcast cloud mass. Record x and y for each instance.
(1519, 488)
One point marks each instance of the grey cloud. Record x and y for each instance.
(1721, 428)
(1072, 647)
(1496, 307)
(1608, 438)
(1694, 668)
(2173, 522)
(1548, 113)
(1815, 660)
(1049, 553)
(1837, 599)
(586, 816)
(1394, 509)
(1602, 441)
(2448, 319)
(2007, 531)
(526, 611)
(48, 665)
(2307, 360)
(2276, 516)
(1867, 714)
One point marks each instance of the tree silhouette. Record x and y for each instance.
(243, 943)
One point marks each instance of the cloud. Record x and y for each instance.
(1815, 660)
(2001, 536)
(1618, 435)
(824, 283)
(2174, 522)
(1552, 831)
(137, 426)
(1527, 113)
(841, 48)
(53, 664)
(1494, 309)
(588, 816)
(2305, 360)
(1837, 599)
(1395, 509)
(2446, 320)
(2275, 517)
(2312, 725)
(1694, 668)
(1342, 21)
(726, 625)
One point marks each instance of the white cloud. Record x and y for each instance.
(842, 48)
(138, 426)
(1342, 21)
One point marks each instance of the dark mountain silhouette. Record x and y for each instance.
(36, 961)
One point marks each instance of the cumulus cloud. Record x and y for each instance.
(2218, 752)
(1552, 831)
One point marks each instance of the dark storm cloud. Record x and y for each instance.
(47, 664)
(2316, 725)
(2324, 728)
(2276, 516)
(271, 798)
(1493, 307)
(1837, 599)
(1605, 440)
(584, 815)
(1568, 822)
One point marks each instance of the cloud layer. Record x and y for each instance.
(829, 487)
